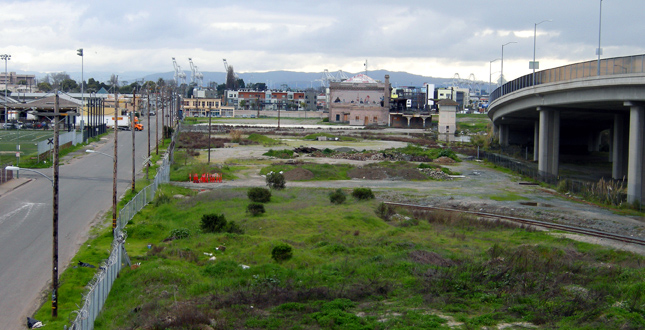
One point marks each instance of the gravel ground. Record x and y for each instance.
(477, 188)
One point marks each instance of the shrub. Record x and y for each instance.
(384, 211)
(275, 181)
(282, 252)
(337, 197)
(255, 209)
(216, 223)
(363, 193)
(179, 233)
(161, 199)
(233, 228)
(213, 223)
(259, 195)
(236, 136)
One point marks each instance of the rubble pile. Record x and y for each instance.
(435, 173)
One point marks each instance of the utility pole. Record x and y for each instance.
(148, 165)
(209, 135)
(163, 117)
(134, 107)
(157, 123)
(55, 215)
(114, 172)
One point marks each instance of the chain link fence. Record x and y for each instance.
(100, 286)
(612, 192)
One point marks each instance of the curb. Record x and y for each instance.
(11, 185)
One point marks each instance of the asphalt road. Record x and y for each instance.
(85, 193)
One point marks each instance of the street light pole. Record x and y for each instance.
(5, 57)
(502, 70)
(535, 65)
(599, 50)
(490, 74)
(79, 52)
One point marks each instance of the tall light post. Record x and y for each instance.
(599, 50)
(490, 74)
(535, 65)
(79, 52)
(5, 57)
(502, 70)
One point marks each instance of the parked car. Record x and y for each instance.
(10, 126)
(28, 125)
(41, 125)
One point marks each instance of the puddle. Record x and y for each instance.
(535, 204)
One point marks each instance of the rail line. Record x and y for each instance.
(532, 222)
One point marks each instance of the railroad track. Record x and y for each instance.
(531, 222)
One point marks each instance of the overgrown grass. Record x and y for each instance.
(351, 270)
(264, 140)
(321, 171)
(431, 153)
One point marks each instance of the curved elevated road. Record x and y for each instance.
(568, 107)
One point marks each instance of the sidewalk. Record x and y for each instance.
(12, 184)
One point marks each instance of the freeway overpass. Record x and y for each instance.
(566, 108)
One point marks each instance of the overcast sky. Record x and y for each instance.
(426, 37)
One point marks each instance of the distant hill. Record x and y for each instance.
(274, 79)
(301, 80)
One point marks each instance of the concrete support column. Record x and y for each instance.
(536, 140)
(636, 144)
(503, 135)
(549, 141)
(619, 155)
(408, 118)
(610, 157)
(593, 144)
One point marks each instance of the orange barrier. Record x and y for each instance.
(205, 177)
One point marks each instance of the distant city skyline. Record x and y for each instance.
(418, 37)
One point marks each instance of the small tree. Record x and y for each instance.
(213, 223)
(362, 193)
(275, 181)
(259, 195)
(282, 252)
(337, 197)
(255, 209)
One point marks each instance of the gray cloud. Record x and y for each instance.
(424, 37)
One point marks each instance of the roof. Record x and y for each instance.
(361, 78)
(447, 102)
(65, 102)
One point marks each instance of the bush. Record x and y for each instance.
(337, 197)
(282, 252)
(255, 209)
(363, 193)
(213, 223)
(259, 195)
(216, 223)
(275, 181)
(179, 233)
(384, 211)
(233, 228)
